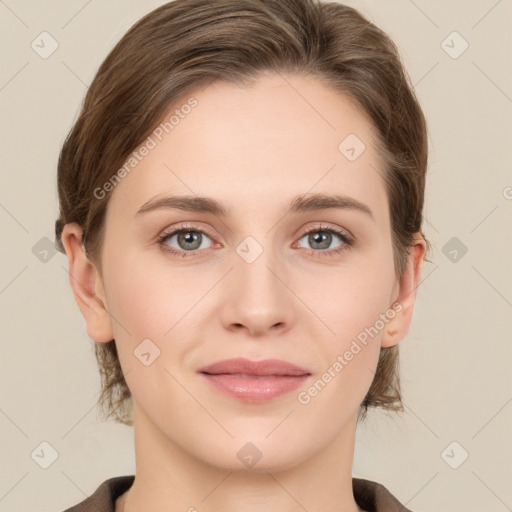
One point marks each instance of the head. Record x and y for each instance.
(248, 102)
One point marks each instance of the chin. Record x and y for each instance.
(249, 457)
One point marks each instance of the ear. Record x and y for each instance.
(87, 285)
(397, 327)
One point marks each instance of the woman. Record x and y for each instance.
(241, 206)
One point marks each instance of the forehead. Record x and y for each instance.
(246, 146)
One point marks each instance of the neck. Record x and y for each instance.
(167, 474)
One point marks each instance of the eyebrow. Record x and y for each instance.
(299, 204)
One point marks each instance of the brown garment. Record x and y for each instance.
(370, 496)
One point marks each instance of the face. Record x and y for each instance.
(273, 277)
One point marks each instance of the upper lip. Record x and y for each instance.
(247, 367)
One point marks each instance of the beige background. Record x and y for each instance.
(456, 359)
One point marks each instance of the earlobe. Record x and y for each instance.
(398, 327)
(87, 285)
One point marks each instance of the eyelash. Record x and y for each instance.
(346, 239)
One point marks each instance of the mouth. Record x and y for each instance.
(254, 389)
(253, 376)
(245, 367)
(254, 381)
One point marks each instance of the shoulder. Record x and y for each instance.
(103, 499)
(375, 497)
(371, 496)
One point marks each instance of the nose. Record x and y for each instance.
(257, 297)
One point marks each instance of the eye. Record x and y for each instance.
(188, 239)
(321, 238)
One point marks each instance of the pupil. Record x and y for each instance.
(320, 238)
(189, 240)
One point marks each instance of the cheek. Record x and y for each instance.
(148, 303)
(355, 306)
(351, 308)
(352, 296)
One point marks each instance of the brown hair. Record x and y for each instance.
(185, 44)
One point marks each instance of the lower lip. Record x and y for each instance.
(255, 389)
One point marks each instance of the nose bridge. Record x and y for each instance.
(256, 267)
(258, 298)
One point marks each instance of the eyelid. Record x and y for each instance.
(173, 230)
(302, 231)
(327, 227)
(182, 227)
(347, 238)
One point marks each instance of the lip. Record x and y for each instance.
(254, 381)
(245, 366)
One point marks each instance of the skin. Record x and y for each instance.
(252, 149)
